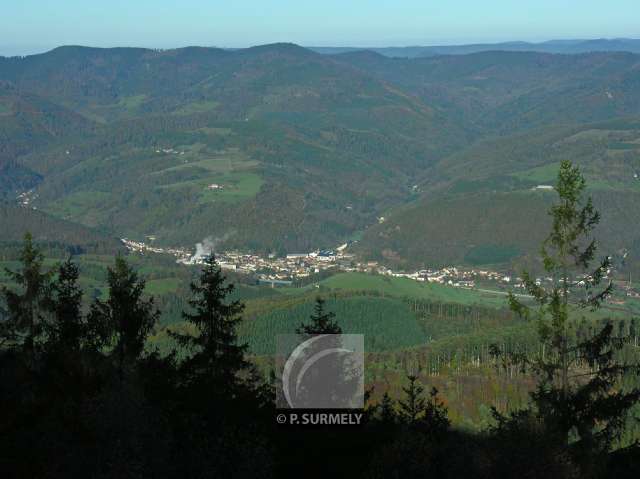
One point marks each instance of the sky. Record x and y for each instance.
(31, 26)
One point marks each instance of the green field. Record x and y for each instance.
(131, 102)
(403, 287)
(163, 286)
(232, 171)
(197, 107)
(544, 175)
(235, 187)
(84, 204)
(222, 162)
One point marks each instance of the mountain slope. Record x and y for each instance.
(278, 148)
(27, 123)
(17, 220)
(488, 203)
(499, 92)
(305, 150)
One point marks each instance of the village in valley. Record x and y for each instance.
(283, 271)
(286, 270)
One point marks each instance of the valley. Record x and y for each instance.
(278, 149)
(408, 192)
(319, 239)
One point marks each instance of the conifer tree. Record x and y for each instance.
(69, 352)
(412, 408)
(126, 318)
(435, 414)
(387, 410)
(578, 397)
(66, 329)
(217, 354)
(321, 322)
(25, 306)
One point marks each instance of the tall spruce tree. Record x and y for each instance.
(126, 318)
(66, 329)
(413, 406)
(217, 355)
(579, 397)
(388, 416)
(25, 306)
(321, 322)
(69, 357)
(436, 416)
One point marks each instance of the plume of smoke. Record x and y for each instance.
(204, 249)
(208, 246)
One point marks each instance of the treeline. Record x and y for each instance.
(457, 311)
(10, 251)
(81, 397)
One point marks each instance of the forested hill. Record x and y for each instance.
(498, 191)
(29, 121)
(499, 92)
(51, 232)
(308, 150)
(280, 148)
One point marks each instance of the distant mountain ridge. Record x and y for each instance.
(631, 45)
(552, 46)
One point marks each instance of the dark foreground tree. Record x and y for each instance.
(221, 418)
(413, 405)
(216, 358)
(387, 413)
(25, 306)
(580, 398)
(320, 321)
(65, 329)
(126, 318)
(69, 355)
(417, 439)
(426, 413)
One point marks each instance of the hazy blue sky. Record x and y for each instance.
(28, 25)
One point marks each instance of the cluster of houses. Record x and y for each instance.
(26, 198)
(169, 151)
(451, 276)
(276, 270)
(270, 268)
(140, 247)
(284, 270)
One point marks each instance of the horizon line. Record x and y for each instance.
(36, 50)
